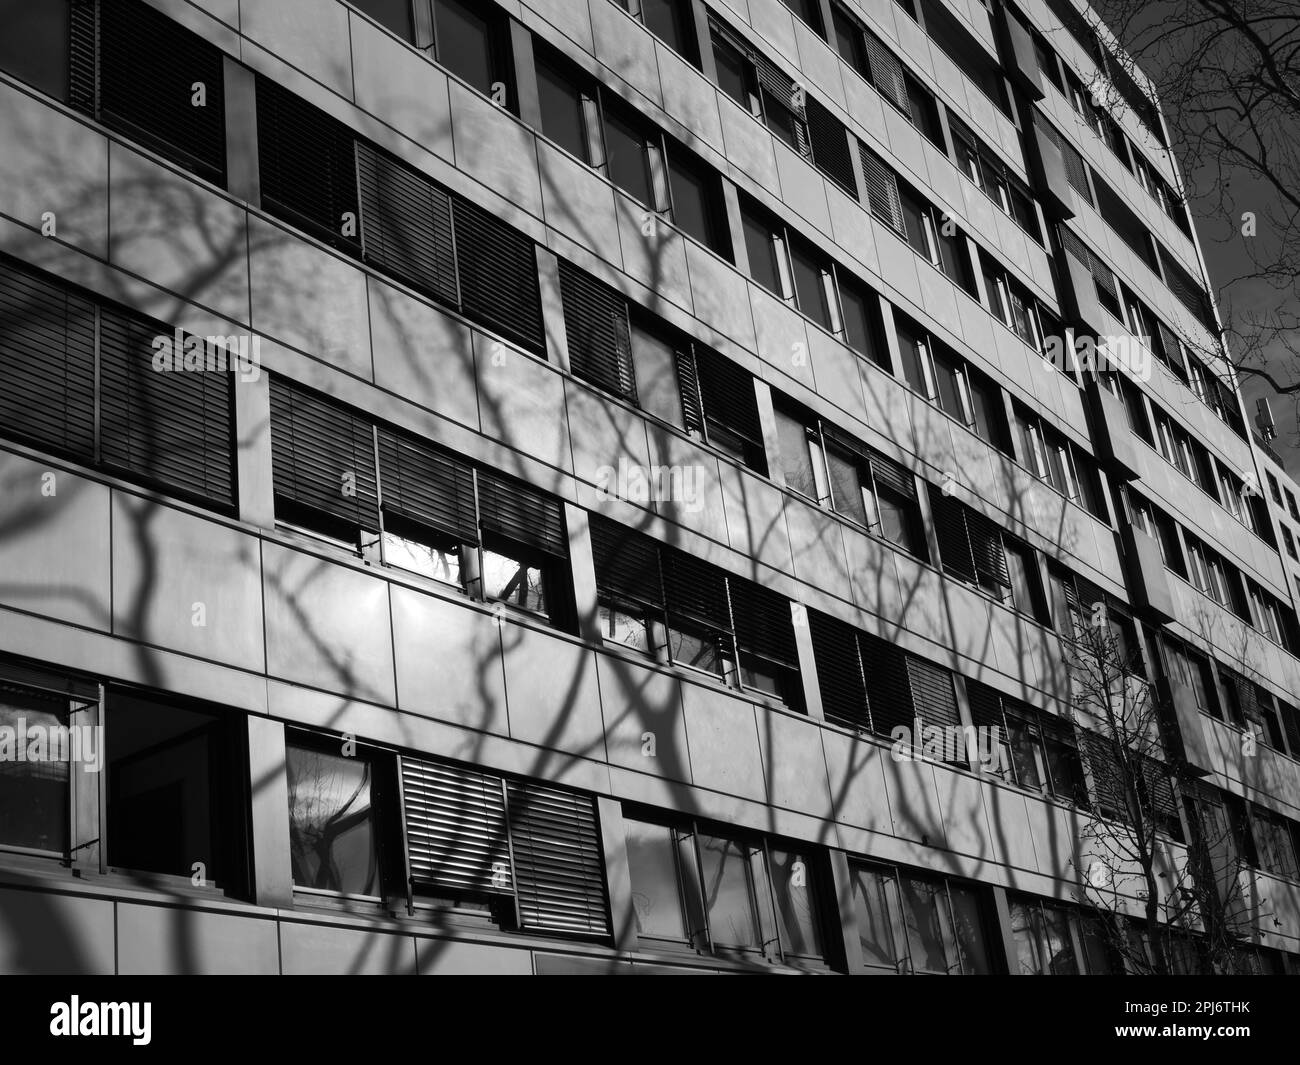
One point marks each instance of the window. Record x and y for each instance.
(916, 923)
(994, 178)
(967, 54)
(1052, 458)
(936, 237)
(630, 353)
(760, 86)
(565, 117)
(872, 685)
(860, 309)
(518, 854)
(317, 176)
(1160, 527)
(810, 12)
(1048, 62)
(1274, 841)
(1194, 672)
(697, 206)
(1039, 750)
(90, 381)
(115, 43)
(958, 389)
(471, 42)
(395, 15)
(335, 827)
(970, 545)
(49, 804)
(632, 154)
(750, 897)
(174, 796)
(681, 610)
(669, 20)
(791, 268)
(108, 779)
(1289, 541)
(492, 538)
(1290, 504)
(840, 473)
(1054, 940)
(34, 45)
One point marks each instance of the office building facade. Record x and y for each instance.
(567, 485)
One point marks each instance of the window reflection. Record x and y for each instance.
(332, 831)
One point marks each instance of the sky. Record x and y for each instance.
(1226, 248)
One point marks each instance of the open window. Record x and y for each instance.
(749, 898)
(917, 923)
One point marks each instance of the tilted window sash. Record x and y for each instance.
(599, 334)
(882, 190)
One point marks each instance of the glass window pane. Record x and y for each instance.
(34, 44)
(858, 331)
(1024, 752)
(968, 929)
(1097, 954)
(617, 626)
(915, 221)
(796, 909)
(761, 247)
(332, 824)
(796, 460)
(849, 41)
(897, 523)
(727, 896)
(655, 367)
(161, 784)
(513, 581)
(692, 191)
(846, 486)
(1025, 933)
(871, 890)
(34, 791)
(394, 14)
(923, 903)
(1022, 584)
(810, 290)
(949, 378)
(629, 166)
(695, 650)
(732, 73)
(421, 552)
(1054, 936)
(665, 19)
(656, 898)
(561, 106)
(988, 411)
(781, 121)
(913, 353)
(464, 43)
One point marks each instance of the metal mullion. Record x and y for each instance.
(405, 837)
(763, 855)
(699, 877)
(510, 848)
